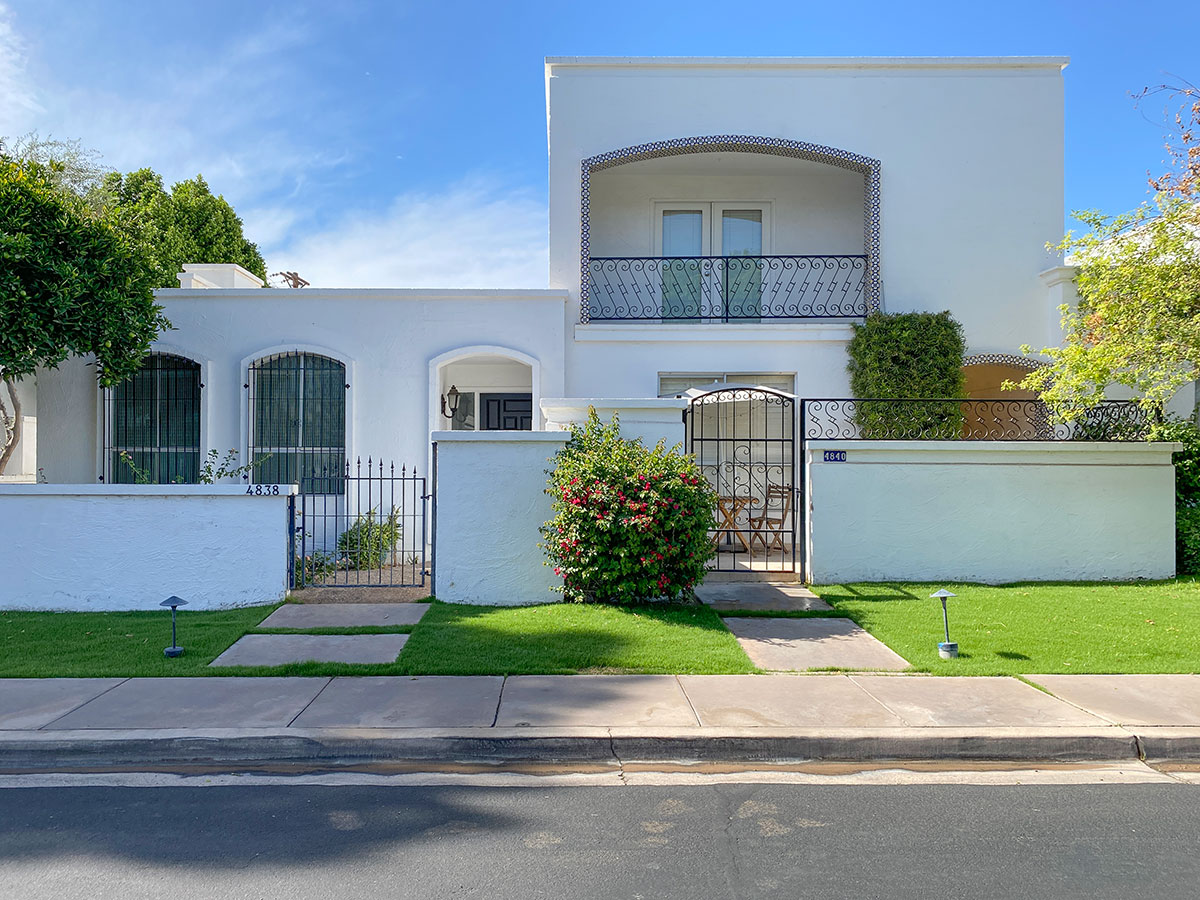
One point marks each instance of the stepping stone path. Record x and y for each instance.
(280, 649)
(344, 615)
(817, 643)
(764, 595)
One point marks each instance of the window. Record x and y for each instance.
(298, 421)
(154, 418)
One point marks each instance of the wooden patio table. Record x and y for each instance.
(730, 507)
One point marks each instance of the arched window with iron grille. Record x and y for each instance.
(152, 423)
(297, 408)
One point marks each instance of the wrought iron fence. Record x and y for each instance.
(726, 288)
(969, 420)
(364, 527)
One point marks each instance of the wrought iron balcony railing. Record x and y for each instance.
(969, 420)
(726, 288)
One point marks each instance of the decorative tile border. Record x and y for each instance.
(1003, 359)
(738, 143)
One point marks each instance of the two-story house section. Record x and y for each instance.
(726, 219)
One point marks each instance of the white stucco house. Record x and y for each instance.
(710, 221)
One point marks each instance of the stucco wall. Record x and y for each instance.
(93, 547)
(387, 339)
(990, 512)
(976, 251)
(490, 502)
(624, 360)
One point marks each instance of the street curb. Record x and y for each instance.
(45, 751)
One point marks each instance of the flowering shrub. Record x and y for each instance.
(630, 524)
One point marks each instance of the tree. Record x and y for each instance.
(1137, 323)
(188, 224)
(70, 284)
(68, 164)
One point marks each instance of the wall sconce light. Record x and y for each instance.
(449, 409)
(947, 649)
(174, 650)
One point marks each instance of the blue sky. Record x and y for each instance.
(402, 144)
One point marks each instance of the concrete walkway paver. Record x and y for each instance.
(279, 649)
(578, 700)
(33, 702)
(977, 701)
(759, 595)
(783, 701)
(799, 644)
(438, 701)
(344, 615)
(196, 703)
(1130, 699)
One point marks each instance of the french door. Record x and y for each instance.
(712, 259)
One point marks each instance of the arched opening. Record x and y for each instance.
(297, 421)
(484, 389)
(151, 424)
(729, 228)
(996, 413)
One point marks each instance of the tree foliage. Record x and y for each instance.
(1137, 323)
(67, 164)
(71, 284)
(188, 224)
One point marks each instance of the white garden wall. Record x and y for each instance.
(98, 547)
(490, 502)
(991, 512)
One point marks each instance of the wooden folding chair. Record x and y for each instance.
(777, 506)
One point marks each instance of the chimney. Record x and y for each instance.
(217, 275)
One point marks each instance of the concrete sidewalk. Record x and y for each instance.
(62, 723)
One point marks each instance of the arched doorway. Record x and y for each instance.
(484, 388)
(998, 414)
(743, 439)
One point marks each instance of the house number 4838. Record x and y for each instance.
(263, 490)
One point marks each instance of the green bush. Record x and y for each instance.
(1187, 491)
(369, 542)
(630, 524)
(908, 355)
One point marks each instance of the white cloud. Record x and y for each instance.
(18, 103)
(475, 234)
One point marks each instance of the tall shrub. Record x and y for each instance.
(631, 524)
(908, 355)
(1187, 491)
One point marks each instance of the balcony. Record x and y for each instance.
(726, 288)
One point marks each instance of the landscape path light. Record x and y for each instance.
(947, 649)
(174, 650)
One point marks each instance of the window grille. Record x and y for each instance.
(153, 417)
(297, 407)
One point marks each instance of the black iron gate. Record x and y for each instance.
(361, 528)
(744, 441)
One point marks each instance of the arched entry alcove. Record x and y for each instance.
(718, 185)
(495, 389)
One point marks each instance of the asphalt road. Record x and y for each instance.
(696, 842)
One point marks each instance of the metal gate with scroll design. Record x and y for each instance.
(743, 440)
(364, 527)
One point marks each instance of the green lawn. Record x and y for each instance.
(1034, 628)
(108, 644)
(450, 640)
(566, 638)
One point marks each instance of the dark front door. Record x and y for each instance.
(506, 412)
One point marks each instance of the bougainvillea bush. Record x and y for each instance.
(631, 524)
